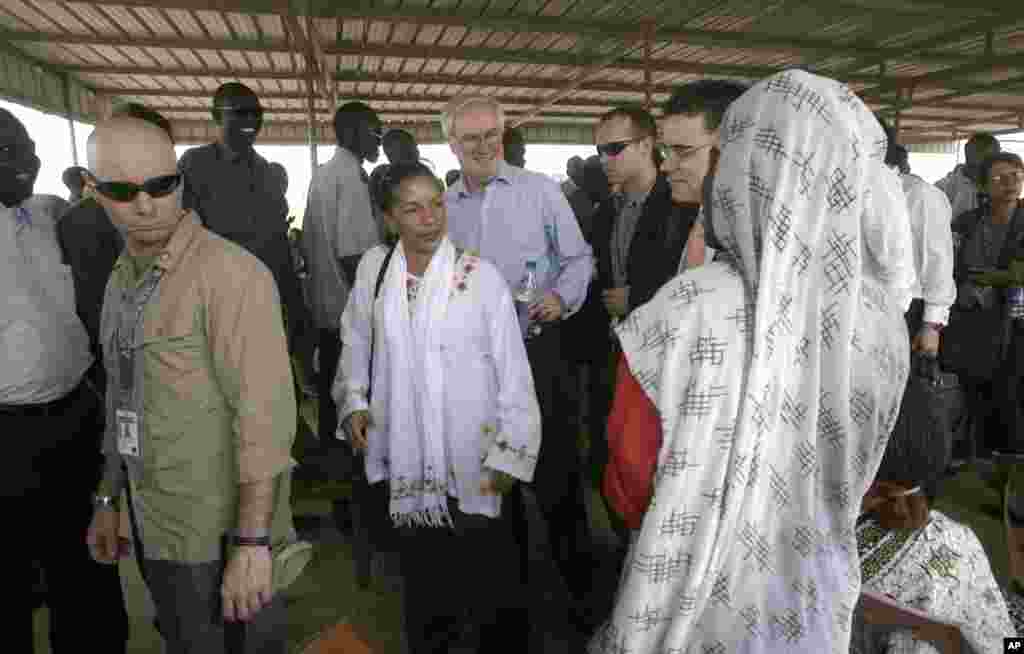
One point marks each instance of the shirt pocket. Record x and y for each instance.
(63, 287)
(179, 395)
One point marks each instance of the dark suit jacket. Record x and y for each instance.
(90, 245)
(974, 338)
(654, 255)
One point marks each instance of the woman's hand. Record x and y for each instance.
(496, 482)
(356, 425)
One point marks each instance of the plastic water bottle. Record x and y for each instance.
(526, 295)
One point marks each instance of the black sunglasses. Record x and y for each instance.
(244, 112)
(157, 187)
(614, 148)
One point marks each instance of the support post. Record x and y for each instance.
(66, 87)
(311, 127)
(648, 43)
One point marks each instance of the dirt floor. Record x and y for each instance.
(327, 594)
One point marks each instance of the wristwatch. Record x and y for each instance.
(104, 502)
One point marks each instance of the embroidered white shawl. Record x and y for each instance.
(491, 416)
(777, 372)
(413, 401)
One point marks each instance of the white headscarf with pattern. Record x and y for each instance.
(778, 372)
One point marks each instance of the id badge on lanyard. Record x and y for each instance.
(129, 442)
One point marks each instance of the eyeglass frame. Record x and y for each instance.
(669, 151)
(621, 144)
(492, 137)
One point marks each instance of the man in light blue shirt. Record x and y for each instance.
(511, 216)
(53, 420)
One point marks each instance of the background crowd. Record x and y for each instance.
(778, 340)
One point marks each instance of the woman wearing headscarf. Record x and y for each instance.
(912, 556)
(451, 422)
(773, 376)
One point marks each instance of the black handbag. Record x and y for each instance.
(972, 342)
(933, 404)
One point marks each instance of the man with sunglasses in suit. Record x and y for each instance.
(237, 194)
(50, 416)
(638, 238)
(200, 396)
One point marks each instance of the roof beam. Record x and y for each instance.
(941, 78)
(332, 8)
(965, 125)
(434, 98)
(573, 84)
(538, 24)
(958, 33)
(381, 112)
(491, 82)
(341, 48)
(1005, 86)
(510, 82)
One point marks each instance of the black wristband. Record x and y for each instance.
(243, 541)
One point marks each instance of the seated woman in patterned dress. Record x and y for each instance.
(919, 558)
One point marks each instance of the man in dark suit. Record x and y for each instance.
(638, 239)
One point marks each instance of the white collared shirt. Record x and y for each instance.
(44, 345)
(930, 217)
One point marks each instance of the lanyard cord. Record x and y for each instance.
(149, 287)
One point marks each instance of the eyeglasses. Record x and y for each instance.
(157, 187)
(614, 148)
(473, 141)
(1008, 178)
(681, 152)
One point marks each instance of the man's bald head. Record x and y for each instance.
(133, 151)
(130, 149)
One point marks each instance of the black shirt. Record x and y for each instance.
(90, 245)
(239, 197)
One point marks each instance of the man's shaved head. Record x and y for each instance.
(130, 150)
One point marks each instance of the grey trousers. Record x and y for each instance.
(188, 609)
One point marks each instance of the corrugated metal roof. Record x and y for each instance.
(946, 67)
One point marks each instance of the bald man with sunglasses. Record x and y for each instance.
(201, 398)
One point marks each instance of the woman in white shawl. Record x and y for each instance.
(776, 372)
(452, 418)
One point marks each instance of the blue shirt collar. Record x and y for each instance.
(505, 174)
(22, 216)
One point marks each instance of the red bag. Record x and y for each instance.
(634, 439)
